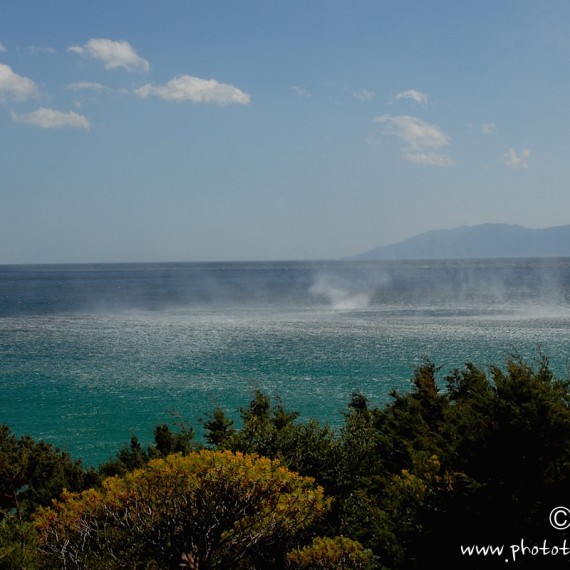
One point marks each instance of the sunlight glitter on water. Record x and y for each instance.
(85, 379)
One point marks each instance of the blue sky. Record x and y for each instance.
(193, 130)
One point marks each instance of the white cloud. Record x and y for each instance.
(364, 95)
(51, 119)
(14, 86)
(420, 138)
(41, 50)
(87, 85)
(189, 88)
(415, 132)
(488, 128)
(517, 161)
(429, 158)
(113, 54)
(301, 91)
(412, 94)
(2, 48)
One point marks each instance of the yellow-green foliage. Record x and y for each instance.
(219, 506)
(18, 545)
(339, 553)
(415, 485)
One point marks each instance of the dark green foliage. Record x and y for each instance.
(32, 473)
(472, 457)
(502, 443)
(513, 444)
(166, 441)
(483, 460)
(263, 426)
(218, 428)
(270, 430)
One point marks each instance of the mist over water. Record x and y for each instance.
(339, 294)
(90, 353)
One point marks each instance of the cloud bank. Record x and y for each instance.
(196, 90)
(113, 54)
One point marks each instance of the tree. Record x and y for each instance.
(263, 426)
(219, 429)
(338, 553)
(31, 474)
(222, 509)
(166, 441)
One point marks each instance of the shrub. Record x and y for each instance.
(339, 553)
(222, 508)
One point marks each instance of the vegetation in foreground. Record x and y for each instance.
(476, 457)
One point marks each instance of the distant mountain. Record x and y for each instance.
(485, 240)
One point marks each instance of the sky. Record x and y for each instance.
(222, 130)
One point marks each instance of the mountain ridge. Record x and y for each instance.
(480, 241)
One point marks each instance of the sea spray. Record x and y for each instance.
(91, 354)
(339, 297)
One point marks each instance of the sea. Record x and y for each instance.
(92, 354)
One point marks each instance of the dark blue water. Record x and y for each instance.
(91, 353)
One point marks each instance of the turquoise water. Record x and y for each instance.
(92, 353)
